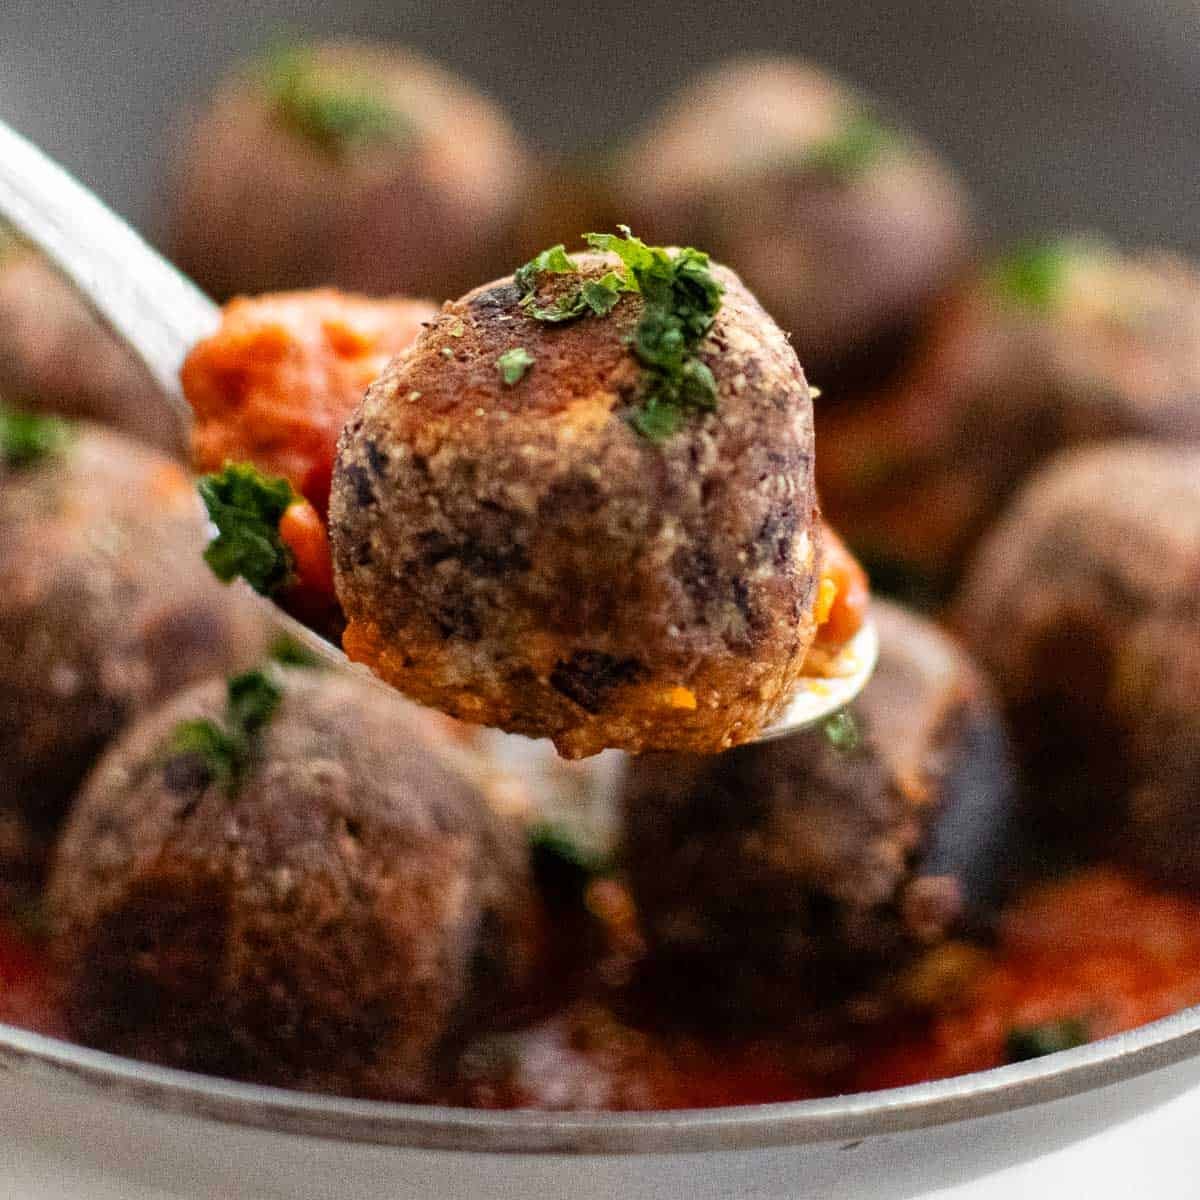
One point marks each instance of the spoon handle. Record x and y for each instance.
(159, 313)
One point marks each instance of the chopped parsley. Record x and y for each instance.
(1034, 273)
(855, 147)
(27, 438)
(554, 261)
(226, 748)
(288, 652)
(513, 364)
(564, 862)
(1035, 1041)
(842, 732)
(336, 114)
(681, 298)
(246, 506)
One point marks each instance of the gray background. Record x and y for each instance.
(1081, 113)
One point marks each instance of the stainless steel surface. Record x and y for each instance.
(160, 314)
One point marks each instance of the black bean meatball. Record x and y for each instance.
(809, 873)
(844, 227)
(56, 355)
(107, 607)
(1058, 344)
(1084, 602)
(527, 535)
(363, 166)
(329, 914)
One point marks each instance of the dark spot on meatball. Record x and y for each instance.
(480, 557)
(776, 535)
(457, 618)
(364, 492)
(572, 494)
(377, 458)
(502, 297)
(588, 677)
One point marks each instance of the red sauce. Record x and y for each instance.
(26, 992)
(1099, 947)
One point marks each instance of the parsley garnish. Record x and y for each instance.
(513, 365)
(335, 115)
(246, 506)
(288, 652)
(27, 438)
(1035, 1041)
(227, 748)
(1034, 273)
(681, 298)
(563, 861)
(554, 261)
(850, 151)
(842, 732)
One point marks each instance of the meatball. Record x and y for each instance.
(330, 915)
(530, 530)
(1058, 344)
(363, 166)
(1083, 601)
(107, 607)
(844, 227)
(56, 356)
(818, 872)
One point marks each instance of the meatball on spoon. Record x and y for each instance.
(161, 315)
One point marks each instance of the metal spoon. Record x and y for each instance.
(160, 314)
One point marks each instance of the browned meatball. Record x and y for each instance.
(362, 166)
(106, 607)
(813, 872)
(844, 227)
(1084, 601)
(56, 356)
(330, 914)
(518, 545)
(1060, 343)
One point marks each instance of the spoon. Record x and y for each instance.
(160, 315)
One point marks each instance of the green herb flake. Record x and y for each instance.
(336, 114)
(227, 748)
(246, 506)
(842, 732)
(27, 438)
(457, 329)
(1034, 274)
(1035, 1041)
(565, 862)
(601, 295)
(513, 365)
(447, 351)
(288, 652)
(554, 261)
(859, 144)
(681, 298)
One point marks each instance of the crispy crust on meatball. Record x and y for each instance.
(260, 207)
(520, 556)
(809, 872)
(107, 607)
(846, 256)
(332, 921)
(1083, 601)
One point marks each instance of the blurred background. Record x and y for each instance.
(1067, 113)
